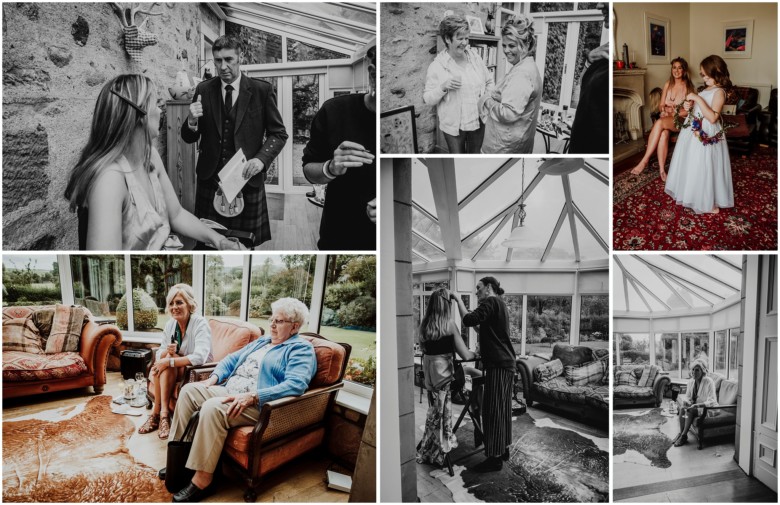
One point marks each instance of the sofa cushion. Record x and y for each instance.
(648, 376)
(625, 378)
(229, 336)
(728, 393)
(559, 389)
(549, 370)
(598, 397)
(716, 380)
(43, 318)
(589, 373)
(632, 392)
(571, 355)
(330, 361)
(22, 366)
(65, 329)
(21, 335)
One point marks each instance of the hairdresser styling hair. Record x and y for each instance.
(342, 154)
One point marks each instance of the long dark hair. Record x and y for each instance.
(715, 67)
(689, 87)
(114, 124)
(437, 317)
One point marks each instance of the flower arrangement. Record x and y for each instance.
(707, 140)
(680, 122)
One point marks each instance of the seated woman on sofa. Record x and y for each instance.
(700, 392)
(186, 341)
(275, 366)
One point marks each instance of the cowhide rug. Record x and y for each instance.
(642, 433)
(548, 463)
(81, 458)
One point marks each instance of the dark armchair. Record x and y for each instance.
(722, 419)
(742, 137)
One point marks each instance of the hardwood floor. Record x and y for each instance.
(299, 228)
(303, 481)
(709, 474)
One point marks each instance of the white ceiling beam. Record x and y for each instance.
(625, 292)
(680, 278)
(554, 234)
(364, 7)
(445, 196)
(492, 237)
(509, 209)
(421, 256)
(347, 23)
(595, 172)
(589, 226)
(427, 241)
(674, 278)
(701, 272)
(570, 211)
(638, 282)
(424, 212)
(671, 288)
(487, 182)
(727, 263)
(641, 296)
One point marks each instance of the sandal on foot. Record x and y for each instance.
(165, 428)
(681, 441)
(152, 423)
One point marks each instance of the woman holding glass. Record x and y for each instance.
(455, 82)
(186, 341)
(512, 108)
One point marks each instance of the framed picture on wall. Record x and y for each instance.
(475, 25)
(737, 39)
(657, 39)
(398, 131)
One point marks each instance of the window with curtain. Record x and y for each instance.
(99, 285)
(695, 346)
(349, 312)
(549, 322)
(734, 335)
(151, 277)
(721, 353)
(31, 280)
(667, 353)
(634, 348)
(594, 321)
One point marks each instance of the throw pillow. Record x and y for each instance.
(20, 334)
(583, 375)
(648, 376)
(728, 393)
(549, 370)
(625, 378)
(572, 355)
(42, 319)
(65, 329)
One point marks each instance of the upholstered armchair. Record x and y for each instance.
(27, 374)
(741, 137)
(720, 420)
(287, 427)
(227, 336)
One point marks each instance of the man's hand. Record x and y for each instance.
(196, 111)
(238, 403)
(371, 210)
(252, 168)
(349, 155)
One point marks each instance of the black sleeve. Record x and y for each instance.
(482, 313)
(318, 149)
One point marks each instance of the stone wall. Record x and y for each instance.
(56, 58)
(408, 46)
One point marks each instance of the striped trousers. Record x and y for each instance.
(497, 410)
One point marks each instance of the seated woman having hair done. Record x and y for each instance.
(120, 187)
(186, 341)
(282, 364)
(701, 392)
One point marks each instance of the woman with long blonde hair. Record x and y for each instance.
(119, 186)
(440, 340)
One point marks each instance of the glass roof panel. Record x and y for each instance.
(472, 172)
(618, 295)
(583, 188)
(426, 227)
(426, 250)
(589, 247)
(472, 245)
(422, 194)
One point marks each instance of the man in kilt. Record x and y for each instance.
(228, 113)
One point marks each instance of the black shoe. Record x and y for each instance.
(192, 493)
(161, 473)
(492, 464)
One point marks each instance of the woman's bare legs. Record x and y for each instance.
(663, 150)
(663, 124)
(167, 381)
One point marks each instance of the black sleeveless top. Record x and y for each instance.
(444, 345)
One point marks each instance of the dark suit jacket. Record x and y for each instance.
(259, 130)
(590, 131)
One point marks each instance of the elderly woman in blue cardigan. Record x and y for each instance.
(268, 368)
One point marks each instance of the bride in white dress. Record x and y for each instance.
(700, 171)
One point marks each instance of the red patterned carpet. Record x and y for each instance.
(646, 218)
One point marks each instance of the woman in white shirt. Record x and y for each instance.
(700, 393)
(186, 341)
(455, 81)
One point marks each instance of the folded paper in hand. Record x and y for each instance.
(231, 178)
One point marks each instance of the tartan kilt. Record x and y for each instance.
(254, 218)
